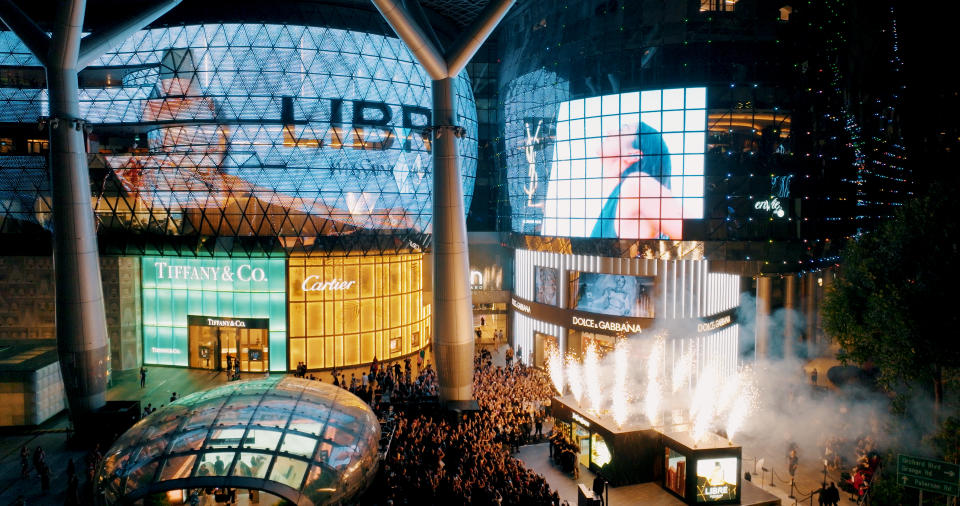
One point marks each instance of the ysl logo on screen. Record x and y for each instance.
(780, 186)
(529, 150)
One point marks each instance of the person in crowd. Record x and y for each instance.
(143, 377)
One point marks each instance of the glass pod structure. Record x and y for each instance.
(304, 441)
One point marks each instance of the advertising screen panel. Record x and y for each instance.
(623, 166)
(546, 285)
(717, 479)
(615, 295)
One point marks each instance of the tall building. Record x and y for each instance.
(261, 176)
(664, 158)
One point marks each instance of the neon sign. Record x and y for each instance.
(772, 205)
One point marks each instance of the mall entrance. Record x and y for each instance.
(212, 339)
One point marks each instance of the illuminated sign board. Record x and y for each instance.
(244, 272)
(623, 166)
(520, 306)
(613, 326)
(717, 479)
(228, 293)
(615, 295)
(723, 321)
(315, 284)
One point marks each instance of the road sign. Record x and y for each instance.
(928, 474)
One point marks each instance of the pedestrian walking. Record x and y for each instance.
(143, 376)
(792, 463)
(39, 459)
(24, 462)
(44, 478)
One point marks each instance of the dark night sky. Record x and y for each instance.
(931, 113)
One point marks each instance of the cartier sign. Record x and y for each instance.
(314, 283)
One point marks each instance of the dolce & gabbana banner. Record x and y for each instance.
(199, 311)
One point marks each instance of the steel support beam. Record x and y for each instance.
(26, 30)
(452, 302)
(82, 340)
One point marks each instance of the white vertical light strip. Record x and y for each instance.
(682, 265)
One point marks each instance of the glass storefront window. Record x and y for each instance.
(244, 299)
(349, 310)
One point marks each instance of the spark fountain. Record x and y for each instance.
(654, 382)
(574, 378)
(555, 368)
(619, 397)
(591, 379)
(622, 412)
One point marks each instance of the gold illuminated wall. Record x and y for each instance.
(381, 314)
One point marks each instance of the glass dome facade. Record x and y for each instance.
(308, 442)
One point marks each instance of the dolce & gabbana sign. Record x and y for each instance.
(572, 318)
(608, 325)
(244, 272)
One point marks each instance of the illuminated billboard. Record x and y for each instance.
(614, 295)
(623, 166)
(717, 479)
(546, 285)
(260, 130)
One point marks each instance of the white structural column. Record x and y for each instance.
(82, 340)
(452, 303)
(790, 317)
(762, 325)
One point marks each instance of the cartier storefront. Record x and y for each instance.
(349, 310)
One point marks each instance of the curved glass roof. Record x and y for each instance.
(308, 442)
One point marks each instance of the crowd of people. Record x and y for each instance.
(76, 493)
(857, 481)
(469, 460)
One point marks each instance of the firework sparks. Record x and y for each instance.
(619, 405)
(703, 402)
(745, 402)
(574, 379)
(555, 366)
(654, 385)
(591, 373)
(681, 371)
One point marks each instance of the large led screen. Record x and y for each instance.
(258, 129)
(717, 479)
(615, 295)
(624, 166)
